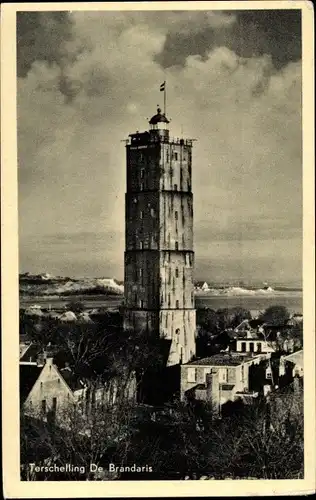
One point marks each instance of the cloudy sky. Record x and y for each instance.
(88, 79)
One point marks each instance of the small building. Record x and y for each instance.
(297, 318)
(202, 286)
(219, 378)
(43, 389)
(46, 391)
(29, 352)
(294, 361)
(254, 344)
(68, 317)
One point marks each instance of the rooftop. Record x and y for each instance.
(223, 359)
(158, 118)
(295, 357)
(73, 382)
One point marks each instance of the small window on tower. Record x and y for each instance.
(175, 187)
(167, 155)
(141, 245)
(141, 214)
(176, 215)
(141, 304)
(142, 186)
(177, 272)
(176, 245)
(142, 172)
(152, 212)
(177, 304)
(175, 155)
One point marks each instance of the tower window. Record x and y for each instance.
(176, 215)
(175, 155)
(141, 214)
(142, 172)
(141, 245)
(177, 272)
(175, 187)
(176, 245)
(177, 304)
(152, 212)
(167, 155)
(142, 186)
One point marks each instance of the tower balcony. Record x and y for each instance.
(156, 136)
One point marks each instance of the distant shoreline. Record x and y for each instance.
(293, 300)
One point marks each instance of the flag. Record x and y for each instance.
(162, 86)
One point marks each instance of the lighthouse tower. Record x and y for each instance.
(159, 257)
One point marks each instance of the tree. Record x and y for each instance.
(277, 315)
(79, 439)
(76, 306)
(265, 441)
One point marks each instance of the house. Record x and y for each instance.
(47, 391)
(293, 362)
(249, 328)
(29, 352)
(297, 318)
(84, 317)
(219, 378)
(43, 389)
(34, 310)
(254, 344)
(202, 286)
(68, 316)
(23, 347)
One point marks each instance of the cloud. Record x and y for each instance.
(247, 33)
(245, 113)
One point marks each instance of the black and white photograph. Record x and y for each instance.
(160, 209)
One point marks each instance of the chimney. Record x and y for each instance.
(296, 384)
(212, 391)
(49, 360)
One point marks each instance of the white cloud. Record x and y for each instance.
(245, 116)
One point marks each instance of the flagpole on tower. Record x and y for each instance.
(163, 88)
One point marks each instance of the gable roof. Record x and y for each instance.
(295, 357)
(32, 351)
(72, 380)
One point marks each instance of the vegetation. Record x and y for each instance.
(275, 315)
(258, 440)
(261, 440)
